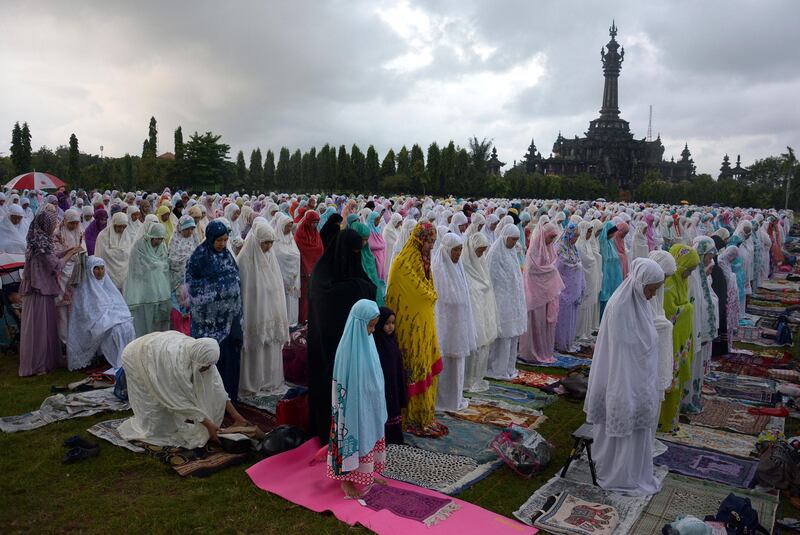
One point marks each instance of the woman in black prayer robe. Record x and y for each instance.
(330, 230)
(337, 282)
(719, 284)
(394, 376)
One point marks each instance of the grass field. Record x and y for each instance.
(123, 492)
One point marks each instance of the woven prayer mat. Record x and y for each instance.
(407, 503)
(514, 394)
(578, 483)
(264, 420)
(267, 403)
(707, 464)
(199, 462)
(755, 389)
(731, 416)
(561, 361)
(535, 379)
(500, 414)
(689, 496)
(442, 472)
(464, 438)
(713, 439)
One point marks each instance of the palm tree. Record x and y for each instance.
(480, 152)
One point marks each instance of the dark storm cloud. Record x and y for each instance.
(722, 76)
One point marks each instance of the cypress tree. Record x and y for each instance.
(27, 153)
(447, 168)
(296, 170)
(308, 168)
(16, 149)
(179, 150)
(372, 170)
(152, 136)
(73, 173)
(344, 170)
(282, 170)
(417, 156)
(127, 165)
(256, 169)
(358, 165)
(269, 171)
(434, 168)
(403, 162)
(388, 165)
(241, 170)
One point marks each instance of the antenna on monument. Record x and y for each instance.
(650, 125)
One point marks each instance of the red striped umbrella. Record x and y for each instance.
(34, 180)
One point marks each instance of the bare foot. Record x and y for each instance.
(350, 490)
(379, 481)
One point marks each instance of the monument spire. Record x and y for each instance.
(612, 56)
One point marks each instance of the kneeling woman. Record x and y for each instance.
(622, 401)
(357, 446)
(174, 390)
(99, 319)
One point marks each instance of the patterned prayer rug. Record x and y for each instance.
(689, 496)
(707, 464)
(464, 438)
(715, 439)
(260, 401)
(573, 516)
(562, 361)
(500, 414)
(731, 416)
(514, 394)
(442, 472)
(199, 462)
(578, 483)
(264, 420)
(535, 379)
(430, 510)
(755, 389)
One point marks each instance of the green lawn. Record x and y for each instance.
(123, 492)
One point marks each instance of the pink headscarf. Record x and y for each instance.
(619, 244)
(543, 283)
(651, 240)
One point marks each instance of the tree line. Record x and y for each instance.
(202, 162)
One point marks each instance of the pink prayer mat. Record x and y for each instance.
(290, 476)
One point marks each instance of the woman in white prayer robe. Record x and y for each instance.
(455, 325)
(484, 309)
(175, 391)
(666, 359)
(99, 319)
(592, 262)
(622, 400)
(512, 312)
(288, 256)
(639, 248)
(265, 323)
(114, 245)
(391, 233)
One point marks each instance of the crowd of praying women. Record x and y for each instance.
(409, 303)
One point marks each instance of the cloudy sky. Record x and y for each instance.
(722, 75)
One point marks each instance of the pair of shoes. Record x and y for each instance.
(78, 441)
(78, 454)
(79, 449)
